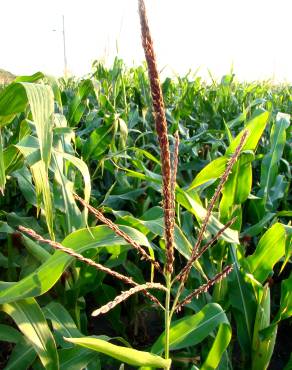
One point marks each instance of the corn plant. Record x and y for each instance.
(206, 158)
(169, 179)
(131, 356)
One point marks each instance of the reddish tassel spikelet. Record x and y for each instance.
(88, 261)
(185, 272)
(204, 288)
(207, 246)
(161, 129)
(118, 231)
(125, 295)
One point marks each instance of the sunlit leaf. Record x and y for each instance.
(49, 272)
(31, 321)
(269, 250)
(191, 330)
(123, 354)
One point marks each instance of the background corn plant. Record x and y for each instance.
(96, 137)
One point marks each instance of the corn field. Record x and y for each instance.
(123, 247)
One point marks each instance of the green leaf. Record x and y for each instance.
(191, 330)
(185, 199)
(64, 326)
(146, 154)
(42, 185)
(289, 364)
(216, 168)
(219, 346)
(97, 143)
(284, 214)
(262, 349)
(288, 252)
(77, 107)
(9, 334)
(32, 78)
(12, 159)
(39, 253)
(258, 227)
(74, 218)
(243, 302)
(53, 82)
(63, 187)
(237, 187)
(255, 127)
(285, 310)
(29, 148)
(40, 281)
(62, 322)
(63, 196)
(123, 132)
(123, 354)
(13, 100)
(24, 180)
(82, 167)
(270, 162)
(76, 358)
(31, 321)
(238, 120)
(2, 167)
(269, 250)
(210, 173)
(22, 356)
(41, 101)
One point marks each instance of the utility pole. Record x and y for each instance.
(64, 48)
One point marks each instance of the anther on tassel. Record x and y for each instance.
(184, 275)
(205, 247)
(125, 295)
(118, 231)
(161, 129)
(88, 261)
(204, 288)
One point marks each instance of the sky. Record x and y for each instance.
(252, 35)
